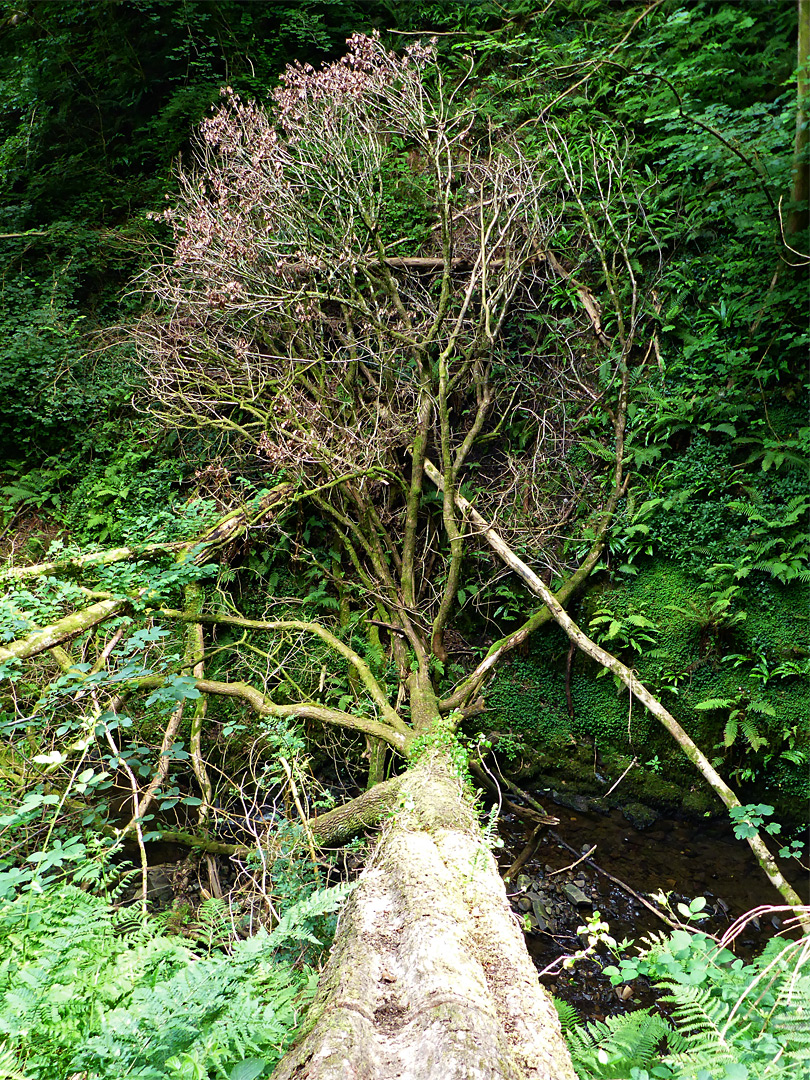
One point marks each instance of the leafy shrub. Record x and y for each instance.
(727, 1020)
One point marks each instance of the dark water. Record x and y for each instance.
(687, 859)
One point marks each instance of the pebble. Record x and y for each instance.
(540, 912)
(576, 895)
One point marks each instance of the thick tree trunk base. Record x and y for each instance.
(429, 977)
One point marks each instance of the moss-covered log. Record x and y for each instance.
(364, 812)
(429, 977)
(44, 638)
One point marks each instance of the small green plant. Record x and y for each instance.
(442, 737)
(727, 1020)
(750, 819)
(633, 631)
(778, 545)
(595, 932)
(714, 615)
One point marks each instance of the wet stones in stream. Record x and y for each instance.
(550, 902)
(554, 893)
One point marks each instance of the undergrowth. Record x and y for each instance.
(725, 1020)
(88, 989)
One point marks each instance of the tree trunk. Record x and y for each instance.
(429, 977)
(797, 220)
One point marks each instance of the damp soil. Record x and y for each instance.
(685, 858)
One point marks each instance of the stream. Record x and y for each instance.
(554, 898)
(687, 858)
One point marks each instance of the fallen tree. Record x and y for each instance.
(429, 976)
(333, 363)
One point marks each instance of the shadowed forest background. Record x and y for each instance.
(327, 390)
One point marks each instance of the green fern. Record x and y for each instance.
(699, 1016)
(91, 991)
(729, 1021)
(568, 1015)
(607, 1050)
(751, 733)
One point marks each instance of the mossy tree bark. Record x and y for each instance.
(800, 193)
(429, 978)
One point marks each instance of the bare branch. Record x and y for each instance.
(628, 677)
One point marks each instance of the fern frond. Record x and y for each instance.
(568, 1015)
(699, 1019)
(730, 731)
(747, 509)
(752, 735)
(292, 927)
(610, 1048)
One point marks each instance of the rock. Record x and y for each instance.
(524, 882)
(579, 882)
(524, 904)
(576, 895)
(160, 885)
(639, 815)
(573, 802)
(539, 910)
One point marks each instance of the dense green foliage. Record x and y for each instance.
(725, 1019)
(701, 588)
(704, 587)
(89, 986)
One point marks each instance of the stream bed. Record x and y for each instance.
(685, 858)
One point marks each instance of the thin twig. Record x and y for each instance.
(622, 884)
(613, 787)
(571, 866)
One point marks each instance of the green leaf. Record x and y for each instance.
(714, 703)
(248, 1069)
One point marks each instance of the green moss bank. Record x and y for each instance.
(735, 676)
